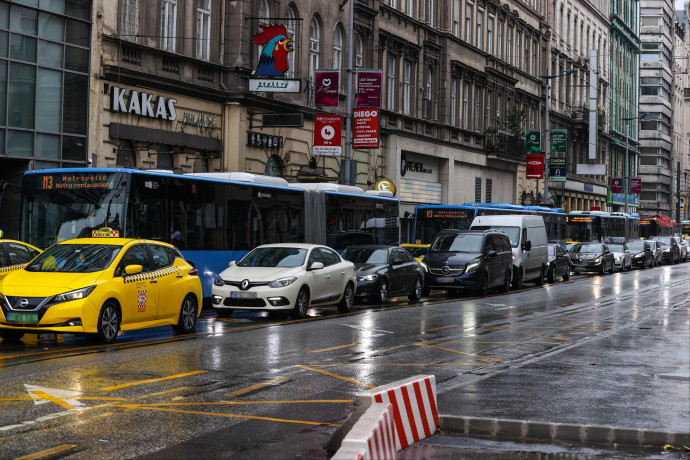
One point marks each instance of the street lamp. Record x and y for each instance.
(547, 145)
(626, 185)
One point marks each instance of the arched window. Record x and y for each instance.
(168, 24)
(338, 47)
(291, 27)
(264, 14)
(314, 45)
(274, 167)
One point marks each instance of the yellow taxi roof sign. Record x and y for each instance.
(105, 232)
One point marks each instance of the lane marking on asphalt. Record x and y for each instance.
(256, 387)
(240, 403)
(337, 376)
(485, 341)
(81, 398)
(336, 348)
(378, 352)
(442, 327)
(62, 398)
(142, 382)
(50, 453)
(512, 314)
(253, 417)
(458, 352)
(398, 364)
(526, 333)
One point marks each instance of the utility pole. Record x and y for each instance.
(348, 115)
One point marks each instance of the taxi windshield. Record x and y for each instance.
(75, 258)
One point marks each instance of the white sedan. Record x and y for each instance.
(622, 256)
(287, 276)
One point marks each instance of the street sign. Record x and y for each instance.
(557, 170)
(533, 141)
(535, 166)
(328, 134)
(559, 141)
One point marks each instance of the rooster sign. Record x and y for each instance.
(273, 61)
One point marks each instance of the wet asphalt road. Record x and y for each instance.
(258, 387)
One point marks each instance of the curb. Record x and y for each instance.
(560, 432)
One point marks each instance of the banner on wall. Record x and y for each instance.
(369, 88)
(326, 88)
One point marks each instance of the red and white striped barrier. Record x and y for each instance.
(414, 412)
(374, 433)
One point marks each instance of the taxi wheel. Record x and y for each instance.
(187, 320)
(416, 293)
(11, 336)
(348, 299)
(108, 323)
(301, 304)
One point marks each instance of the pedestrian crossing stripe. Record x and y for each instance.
(11, 268)
(151, 275)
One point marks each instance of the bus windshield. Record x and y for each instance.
(59, 207)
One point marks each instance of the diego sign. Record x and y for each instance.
(142, 104)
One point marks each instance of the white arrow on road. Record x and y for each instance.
(42, 395)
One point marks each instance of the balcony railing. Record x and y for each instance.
(505, 143)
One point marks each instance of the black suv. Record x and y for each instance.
(466, 259)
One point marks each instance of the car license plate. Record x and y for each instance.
(445, 279)
(243, 295)
(23, 317)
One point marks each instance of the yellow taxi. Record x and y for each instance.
(15, 254)
(418, 251)
(99, 286)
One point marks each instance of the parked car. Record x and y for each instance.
(657, 252)
(592, 257)
(385, 271)
(622, 256)
(642, 253)
(670, 249)
(418, 251)
(285, 276)
(466, 259)
(683, 248)
(528, 242)
(569, 244)
(559, 263)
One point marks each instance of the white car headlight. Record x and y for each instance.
(423, 264)
(73, 295)
(472, 267)
(282, 282)
(367, 277)
(597, 260)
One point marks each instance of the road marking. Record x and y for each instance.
(398, 364)
(141, 382)
(384, 351)
(49, 453)
(59, 402)
(63, 398)
(485, 341)
(442, 327)
(337, 376)
(238, 403)
(458, 352)
(256, 387)
(368, 330)
(526, 333)
(253, 417)
(335, 348)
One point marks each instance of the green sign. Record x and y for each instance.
(557, 170)
(533, 141)
(559, 141)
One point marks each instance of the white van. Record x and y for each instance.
(527, 235)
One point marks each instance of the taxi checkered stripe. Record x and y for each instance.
(151, 275)
(11, 268)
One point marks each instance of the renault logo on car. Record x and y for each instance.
(244, 285)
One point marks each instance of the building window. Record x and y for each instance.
(314, 44)
(430, 12)
(466, 106)
(390, 83)
(518, 46)
(410, 8)
(428, 93)
(291, 27)
(129, 19)
(203, 29)
(534, 58)
(468, 22)
(480, 28)
(509, 45)
(487, 113)
(454, 101)
(477, 108)
(359, 51)
(490, 35)
(338, 47)
(407, 87)
(477, 189)
(499, 41)
(394, 3)
(168, 24)
(489, 190)
(456, 18)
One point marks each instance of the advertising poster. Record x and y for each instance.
(369, 88)
(328, 134)
(635, 185)
(365, 130)
(616, 185)
(326, 88)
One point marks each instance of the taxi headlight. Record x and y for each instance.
(73, 295)
(218, 281)
(472, 267)
(283, 282)
(367, 277)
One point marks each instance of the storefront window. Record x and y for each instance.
(164, 159)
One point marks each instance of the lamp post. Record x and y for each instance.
(547, 145)
(626, 185)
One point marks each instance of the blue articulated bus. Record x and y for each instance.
(212, 218)
(601, 226)
(431, 219)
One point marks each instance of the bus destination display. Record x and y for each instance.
(447, 213)
(77, 181)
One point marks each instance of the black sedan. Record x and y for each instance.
(385, 271)
(559, 263)
(670, 249)
(642, 253)
(592, 257)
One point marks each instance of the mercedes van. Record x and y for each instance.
(527, 235)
